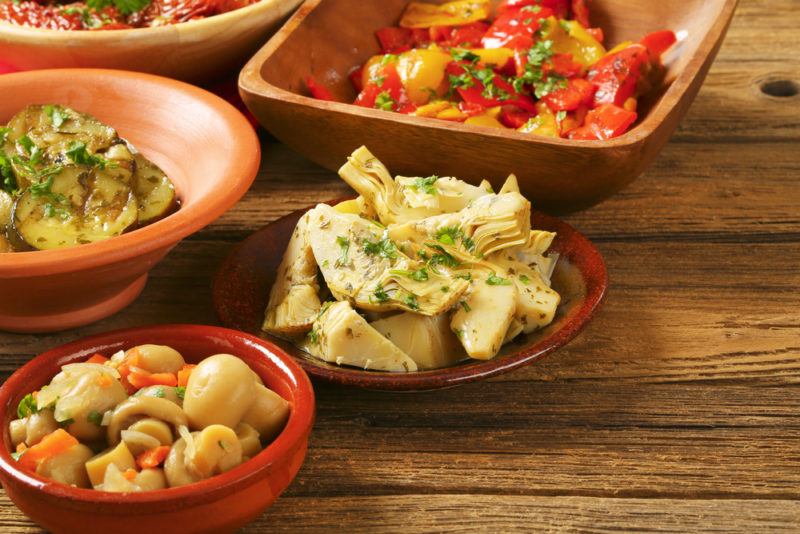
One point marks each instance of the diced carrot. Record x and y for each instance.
(131, 360)
(130, 474)
(51, 445)
(97, 358)
(153, 457)
(184, 373)
(141, 379)
(104, 381)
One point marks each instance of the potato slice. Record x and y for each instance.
(81, 205)
(154, 191)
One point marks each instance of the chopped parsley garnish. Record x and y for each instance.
(466, 276)
(380, 295)
(410, 300)
(160, 393)
(313, 336)
(420, 275)
(27, 406)
(66, 422)
(384, 248)
(543, 84)
(180, 391)
(95, 417)
(448, 235)
(465, 306)
(8, 182)
(384, 101)
(33, 152)
(78, 154)
(531, 9)
(524, 279)
(57, 116)
(561, 115)
(441, 257)
(344, 246)
(44, 189)
(426, 185)
(494, 280)
(468, 243)
(464, 55)
(389, 58)
(4, 135)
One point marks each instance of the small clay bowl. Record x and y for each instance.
(242, 285)
(197, 50)
(205, 146)
(220, 504)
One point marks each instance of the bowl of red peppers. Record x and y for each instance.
(575, 98)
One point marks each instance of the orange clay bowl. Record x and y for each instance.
(217, 505)
(196, 50)
(328, 38)
(205, 146)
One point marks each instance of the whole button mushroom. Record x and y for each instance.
(220, 391)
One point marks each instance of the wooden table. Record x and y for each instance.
(677, 409)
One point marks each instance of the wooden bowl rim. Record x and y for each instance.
(251, 81)
(241, 173)
(590, 264)
(298, 427)
(25, 34)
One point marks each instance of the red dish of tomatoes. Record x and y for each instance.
(111, 14)
(536, 66)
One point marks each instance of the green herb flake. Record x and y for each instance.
(494, 280)
(384, 248)
(379, 295)
(344, 246)
(160, 393)
(180, 391)
(410, 300)
(56, 114)
(27, 406)
(313, 336)
(426, 185)
(420, 275)
(95, 417)
(78, 153)
(465, 306)
(524, 279)
(385, 101)
(460, 54)
(465, 276)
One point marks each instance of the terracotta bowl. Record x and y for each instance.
(242, 285)
(205, 146)
(195, 51)
(327, 39)
(220, 504)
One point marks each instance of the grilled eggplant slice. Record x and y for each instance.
(154, 191)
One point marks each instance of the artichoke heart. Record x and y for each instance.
(485, 316)
(489, 224)
(293, 302)
(341, 336)
(537, 302)
(533, 252)
(361, 264)
(427, 340)
(404, 199)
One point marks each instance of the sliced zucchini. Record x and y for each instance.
(55, 128)
(81, 205)
(154, 191)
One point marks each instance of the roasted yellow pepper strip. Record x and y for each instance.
(569, 37)
(544, 123)
(459, 13)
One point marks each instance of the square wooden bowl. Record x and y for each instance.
(328, 38)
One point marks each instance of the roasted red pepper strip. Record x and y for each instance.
(657, 43)
(616, 75)
(513, 117)
(395, 40)
(467, 36)
(317, 90)
(604, 122)
(580, 12)
(385, 93)
(578, 92)
(515, 28)
(559, 8)
(499, 93)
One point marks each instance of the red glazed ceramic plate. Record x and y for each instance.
(217, 505)
(241, 290)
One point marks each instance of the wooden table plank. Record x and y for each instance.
(678, 409)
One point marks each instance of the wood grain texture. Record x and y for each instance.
(677, 410)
